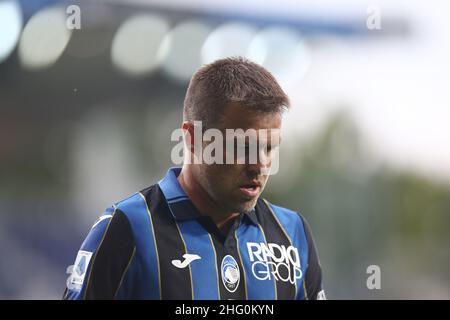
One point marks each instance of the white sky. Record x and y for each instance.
(397, 89)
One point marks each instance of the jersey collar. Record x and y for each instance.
(178, 201)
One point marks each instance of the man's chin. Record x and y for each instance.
(247, 206)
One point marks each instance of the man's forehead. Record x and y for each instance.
(237, 116)
(272, 136)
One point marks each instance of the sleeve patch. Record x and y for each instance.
(79, 270)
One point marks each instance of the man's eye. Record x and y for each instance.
(270, 149)
(266, 148)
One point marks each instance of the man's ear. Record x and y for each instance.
(188, 129)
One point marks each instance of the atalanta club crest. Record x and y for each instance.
(230, 273)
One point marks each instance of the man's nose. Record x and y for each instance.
(261, 165)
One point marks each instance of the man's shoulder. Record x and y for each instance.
(137, 203)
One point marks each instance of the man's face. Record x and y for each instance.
(236, 187)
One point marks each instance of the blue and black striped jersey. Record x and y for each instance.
(156, 245)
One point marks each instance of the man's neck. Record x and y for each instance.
(203, 202)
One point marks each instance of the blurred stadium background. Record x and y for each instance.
(86, 117)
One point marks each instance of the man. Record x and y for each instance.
(203, 232)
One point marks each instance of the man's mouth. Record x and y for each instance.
(251, 189)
